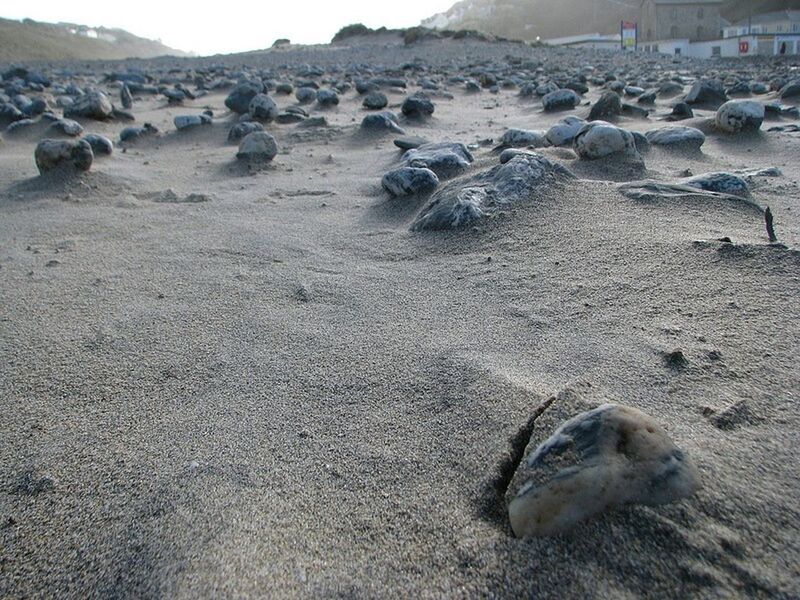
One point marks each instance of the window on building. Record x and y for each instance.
(649, 34)
(674, 14)
(677, 51)
(701, 14)
(795, 27)
(701, 32)
(716, 50)
(673, 32)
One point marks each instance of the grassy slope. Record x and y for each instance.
(44, 41)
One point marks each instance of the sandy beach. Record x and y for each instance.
(220, 381)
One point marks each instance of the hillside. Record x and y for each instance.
(32, 40)
(528, 19)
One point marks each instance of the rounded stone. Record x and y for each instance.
(258, 146)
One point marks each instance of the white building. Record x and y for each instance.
(767, 34)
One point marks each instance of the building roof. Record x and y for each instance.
(779, 16)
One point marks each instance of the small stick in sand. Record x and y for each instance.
(770, 227)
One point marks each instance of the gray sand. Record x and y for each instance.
(282, 392)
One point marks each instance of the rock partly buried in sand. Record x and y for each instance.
(740, 115)
(417, 106)
(603, 458)
(563, 132)
(722, 183)
(94, 105)
(709, 92)
(263, 108)
(100, 144)
(239, 99)
(607, 106)
(65, 127)
(382, 122)
(565, 99)
(680, 112)
(599, 139)
(134, 133)
(466, 201)
(52, 154)
(685, 138)
(257, 147)
(446, 159)
(305, 95)
(125, 97)
(409, 181)
(240, 130)
(375, 101)
(327, 98)
(184, 122)
(520, 138)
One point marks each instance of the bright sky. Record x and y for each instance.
(224, 28)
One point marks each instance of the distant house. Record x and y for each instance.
(693, 20)
(773, 23)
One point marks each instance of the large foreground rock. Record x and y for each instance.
(52, 154)
(600, 459)
(599, 139)
(464, 202)
(740, 115)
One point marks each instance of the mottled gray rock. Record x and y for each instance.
(603, 458)
(687, 138)
(52, 154)
(66, 127)
(263, 108)
(375, 101)
(240, 97)
(465, 201)
(740, 115)
(184, 122)
(563, 132)
(407, 142)
(305, 95)
(790, 90)
(134, 133)
(709, 92)
(599, 139)
(101, 145)
(647, 98)
(94, 105)
(560, 100)
(519, 138)
(446, 159)
(607, 106)
(125, 97)
(327, 98)
(257, 147)
(382, 122)
(417, 106)
(723, 183)
(409, 181)
(240, 130)
(680, 112)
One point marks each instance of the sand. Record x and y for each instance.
(283, 392)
